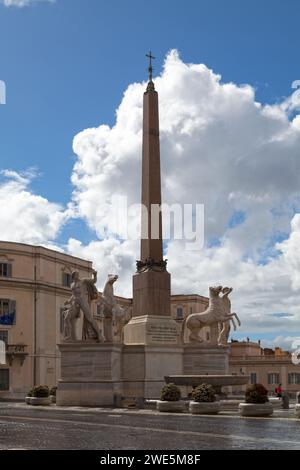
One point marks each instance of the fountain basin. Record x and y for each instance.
(217, 381)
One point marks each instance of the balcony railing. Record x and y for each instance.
(260, 358)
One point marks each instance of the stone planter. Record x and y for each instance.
(27, 400)
(36, 401)
(52, 398)
(297, 410)
(204, 408)
(276, 402)
(170, 406)
(256, 409)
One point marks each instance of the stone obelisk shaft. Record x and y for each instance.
(151, 248)
(151, 283)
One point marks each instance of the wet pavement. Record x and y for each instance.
(24, 427)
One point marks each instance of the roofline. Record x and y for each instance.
(41, 247)
(198, 296)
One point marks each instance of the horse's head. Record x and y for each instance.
(108, 291)
(215, 291)
(112, 278)
(227, 290)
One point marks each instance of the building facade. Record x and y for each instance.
(269, 367)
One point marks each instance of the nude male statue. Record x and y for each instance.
(83, 292)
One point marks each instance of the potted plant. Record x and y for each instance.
(204, 400)
(28, 397)
(40, 396)
(53, 394)
(256, 402)
(170, 399)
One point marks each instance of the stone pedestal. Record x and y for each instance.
(199, 360)
(152, 330)
(144, 368)
(90, 374)
(151, 323)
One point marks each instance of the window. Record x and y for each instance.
(7, 312)
(191, 310)
(5, 270)
(4, 336)
(294, 379)
(66, 279)
(207, 336)
(253, 378)
(4, 379)
(273, 379)
(179, 312)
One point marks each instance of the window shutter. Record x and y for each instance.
(9, 270)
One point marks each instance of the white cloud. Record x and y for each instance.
(26, 217)
(109, 256)
(24, 3)
(218, 146)
(287, 343)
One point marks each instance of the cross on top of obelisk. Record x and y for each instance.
(150, 86)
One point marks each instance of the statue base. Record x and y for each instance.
(202, 358)
(90, 374)
(145, 368)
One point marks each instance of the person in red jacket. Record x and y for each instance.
(278, 391)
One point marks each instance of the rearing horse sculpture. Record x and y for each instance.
(224, 328)
(214, 314)
(113, 314)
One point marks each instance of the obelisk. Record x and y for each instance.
(151, 322)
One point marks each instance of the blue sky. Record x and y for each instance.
(67, 64)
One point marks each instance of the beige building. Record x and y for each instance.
(269, 367)
(34, 283)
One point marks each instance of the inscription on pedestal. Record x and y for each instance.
(166, 334)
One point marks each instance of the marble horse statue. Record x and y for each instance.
(224, 327)
(214, 314)
(114, 316)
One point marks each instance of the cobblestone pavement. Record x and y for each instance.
(53, 427)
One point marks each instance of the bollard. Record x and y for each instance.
(285, 401)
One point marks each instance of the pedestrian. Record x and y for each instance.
(278, 391)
